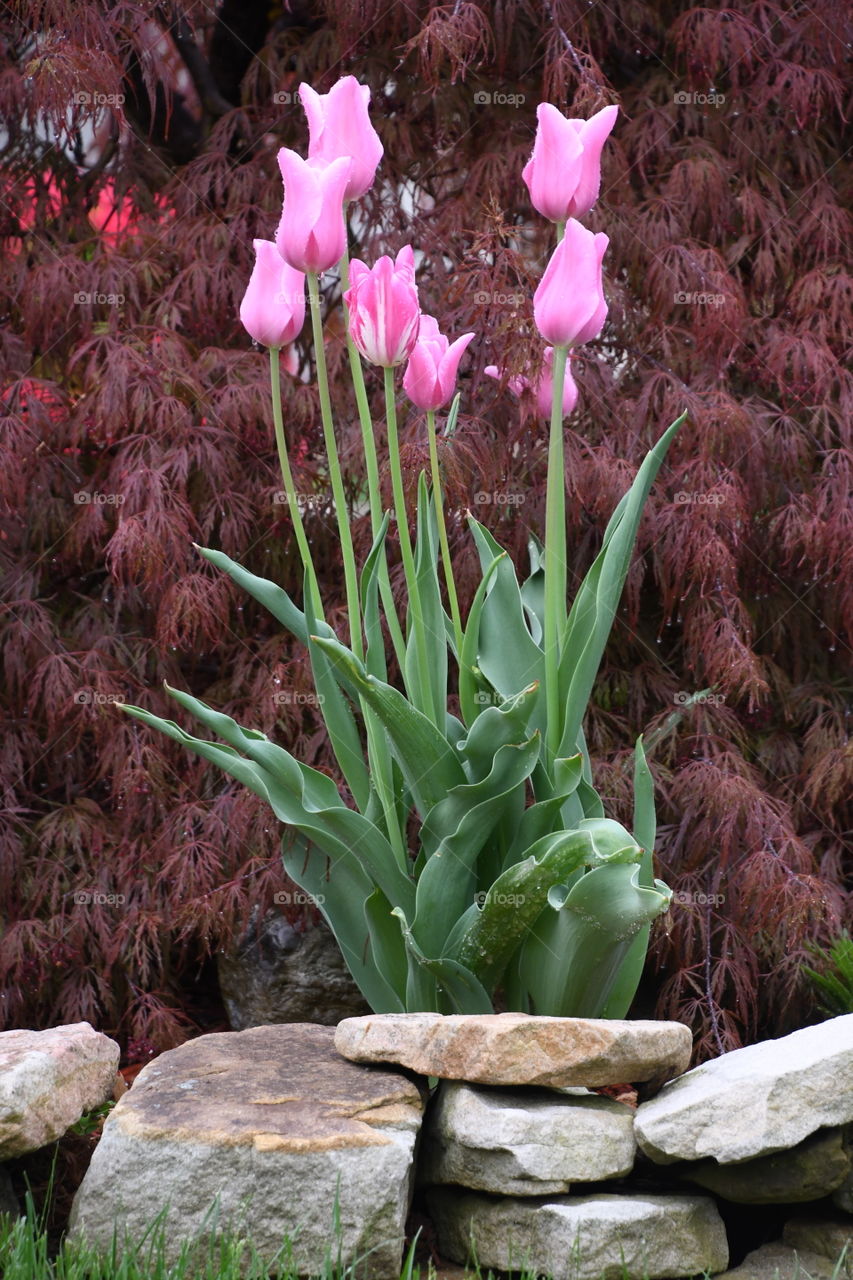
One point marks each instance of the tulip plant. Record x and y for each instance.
(520, 892)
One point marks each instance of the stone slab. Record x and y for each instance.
(753, 1101)
(524, 1142)
(832, 1238)
(811, 1170)
(48, 1080)
(519, 1049)
(270, 1125)
(598, 1237)
(778, 1262)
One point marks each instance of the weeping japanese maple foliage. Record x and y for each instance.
(138, 165)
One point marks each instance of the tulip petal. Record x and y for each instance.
(569, 304)
(302, 201)
(593, 134)
(553, 171)
(419, 381)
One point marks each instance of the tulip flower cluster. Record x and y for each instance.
(520, 884)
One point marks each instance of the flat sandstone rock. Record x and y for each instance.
(754, 1101)
(518, 1049)
(272, 1124)
(48, 1080)
(598, 1237)
(524, 1142)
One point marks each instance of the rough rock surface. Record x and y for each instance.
(273, 1125)
(756, 1100)
(827, 1236)
(524, 1142)
(277, 974)
(515, 1048)
(843, 1197)
(778, 1262)
(48, 1079)
(583, 1237)
(809, 1171)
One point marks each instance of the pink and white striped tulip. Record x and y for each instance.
(430, 376)
(339, 125)
(543, 387)
(273, 306)
(311, 234)
(569, 304)
(384, 312)
(563, 175)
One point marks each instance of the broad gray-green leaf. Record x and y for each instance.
(507, 654)
(495, 727)
(429, 765)
(337, 717)
(307, 799)
(455, 988)
(453, 834)
(341, 892)
(518, 896)
(428, 600)
(533, 589)
(570, 962)
(471, 682)
(591, 617)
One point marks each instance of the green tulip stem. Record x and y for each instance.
(442, 534)
(350, 574)
(287, 477)
(406, 550)
(555, 556)
(372, 465)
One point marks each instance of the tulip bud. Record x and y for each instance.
(311, 234)
(563, 175)
(273, 306)
(339, 125)
(543, 387)
(430, 375)
(569, 304)
(383, 308)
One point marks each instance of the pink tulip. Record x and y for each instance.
(311, 234)
(430, 375)
(338, 125)
(563, 175)
(384, 309)
(543, 388)
(273, 306)
(569, 305)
